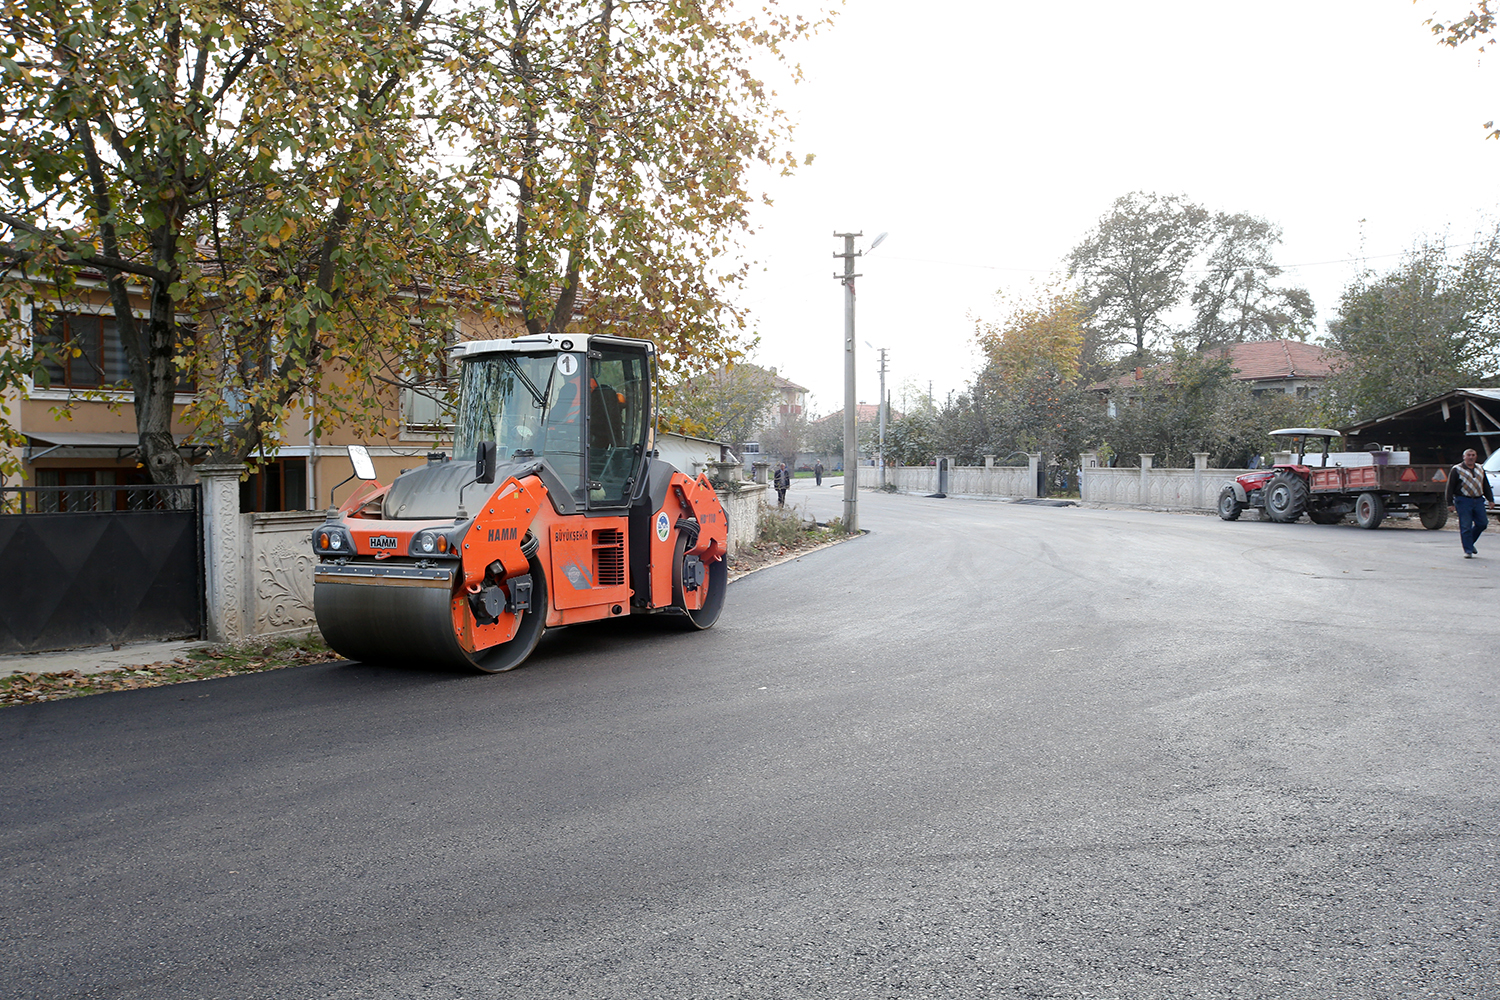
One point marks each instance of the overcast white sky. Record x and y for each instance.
(987, 136)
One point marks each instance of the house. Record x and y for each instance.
(790, 400)
(80, 430)
(1270, 366)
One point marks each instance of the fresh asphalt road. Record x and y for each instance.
(988, 750)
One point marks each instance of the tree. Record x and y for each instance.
(255, 169)
(1028, 396)
(315, 183)
(912, 440)
(1044, 331)
(619, 134)
(1430, 324)
(1131, 266)
(727, 404)
(1476, 26)
(785, 438)
(1194, 403)
(1236, 299)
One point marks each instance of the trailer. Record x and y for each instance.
(1369, 485)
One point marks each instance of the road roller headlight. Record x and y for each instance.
(333, 540)
(433, 545)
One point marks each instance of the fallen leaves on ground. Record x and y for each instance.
(767, 553)
(197, 665)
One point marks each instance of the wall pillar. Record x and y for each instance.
(223, 548)
(1033, 476)
(1200, 466)
(1145, 497)
(1087, 460)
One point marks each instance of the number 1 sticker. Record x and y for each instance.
(567, 364)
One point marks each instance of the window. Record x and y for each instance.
(429, 405)
(94, 338)
(100, 361)
(619, 394)
(279, 485)
(429, 402)
(78, 497)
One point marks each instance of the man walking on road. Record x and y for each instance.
(783, 481)
(1468, 489)
(818, 473)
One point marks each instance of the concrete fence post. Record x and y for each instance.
(1087, 461)
(1200, 466)
(223, 551)
(1145, 497)
(1033, 476)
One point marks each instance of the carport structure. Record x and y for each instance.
(1436, 431)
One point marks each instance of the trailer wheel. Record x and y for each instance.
(1369, 510)
(1286, 497)
(1230, 508)
(715, 576)
(1434, 516)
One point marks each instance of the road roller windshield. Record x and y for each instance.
(529, 405)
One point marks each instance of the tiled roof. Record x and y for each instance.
(1278, 359)
(1256, 361)
(862, 412)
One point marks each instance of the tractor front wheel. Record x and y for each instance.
(1230, 508)
(1286, 497)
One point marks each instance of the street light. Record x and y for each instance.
(851, 449)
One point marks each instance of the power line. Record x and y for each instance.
(1203, 270)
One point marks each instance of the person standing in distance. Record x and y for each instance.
(818, 473)
(783, 480)
(1468, 489)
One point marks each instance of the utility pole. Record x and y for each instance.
(883, 408)
(851, 450)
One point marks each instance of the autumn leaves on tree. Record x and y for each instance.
(304, 196)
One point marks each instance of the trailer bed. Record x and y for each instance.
(1379, 479)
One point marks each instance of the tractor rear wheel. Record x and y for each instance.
(1434, 516)
(1286, 497)
(1369, 510)
(1230, 508)
(714, 576)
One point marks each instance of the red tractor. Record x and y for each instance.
(1366, 484)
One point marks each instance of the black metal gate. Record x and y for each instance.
(85, 566)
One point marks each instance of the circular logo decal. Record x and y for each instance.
(567, 364)
(663, 526)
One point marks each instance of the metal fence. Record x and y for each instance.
(83, 566)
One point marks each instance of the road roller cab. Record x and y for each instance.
(552, 511)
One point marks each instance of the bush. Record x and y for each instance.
(780, 525)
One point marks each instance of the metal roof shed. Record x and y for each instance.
(1435, 431)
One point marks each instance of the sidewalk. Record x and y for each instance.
(96, 659)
